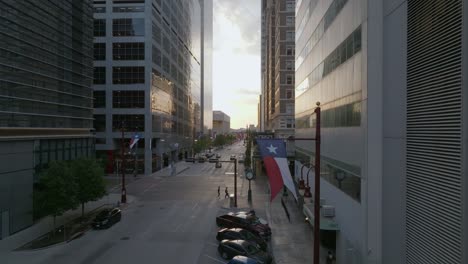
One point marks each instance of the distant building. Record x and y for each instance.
(221, 123)
(46, 100)
(278, 46)
(152, 76)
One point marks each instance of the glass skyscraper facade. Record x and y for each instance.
(46, 100)
(152, 77)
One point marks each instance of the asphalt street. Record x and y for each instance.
(172, 220)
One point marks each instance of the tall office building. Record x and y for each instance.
(46, 99)
(278, 66)
(388, 75)
(152, 77)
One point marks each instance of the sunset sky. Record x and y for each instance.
(236, 59)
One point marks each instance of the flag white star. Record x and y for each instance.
(272, 149)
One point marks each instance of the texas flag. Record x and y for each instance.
(134, 140)
(273, 153)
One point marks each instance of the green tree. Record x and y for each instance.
(56, 192)
(88, 175)
(220, 140)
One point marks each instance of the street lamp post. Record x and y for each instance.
(317, 185)
(317, 188)
(122, 166)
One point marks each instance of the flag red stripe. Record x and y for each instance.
(274, 176)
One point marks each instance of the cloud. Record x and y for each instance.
(243, 14)
(236, 59)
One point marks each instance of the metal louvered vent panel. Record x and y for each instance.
(433, 144)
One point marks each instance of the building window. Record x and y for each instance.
(289, 35)
(100, 123)
(99, 27)
(100, 141)
(290, 21)
(99, 75)
(128, 9)
(289, 79)
(128, 99)
(289, 94)
(289, 65)
(290, 50)
(128, 51)
(99, 51)
(156, 56)
(128, 75)
(290, 5)
(130, 122)
(290, 108)
(99, 99)
(123, 27)
(100, 9)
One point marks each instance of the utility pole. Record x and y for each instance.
(122, 166)
(317, 189)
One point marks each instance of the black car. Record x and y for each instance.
(106, 218)
(231, 248)
(239, 233)
(245, 221)
(218, 164)
(233, 157)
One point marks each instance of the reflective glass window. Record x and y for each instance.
(99, 75)
(128, 27)
(128, 75)
(128, 51)
(128, 99)
(99, 51)
(99, 99)
(99, 27)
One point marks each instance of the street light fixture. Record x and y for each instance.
(301, 181)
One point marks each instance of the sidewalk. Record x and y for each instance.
(46, 224)
(291, 241)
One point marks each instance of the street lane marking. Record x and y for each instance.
(214, 259)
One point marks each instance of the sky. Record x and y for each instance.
(236, 59)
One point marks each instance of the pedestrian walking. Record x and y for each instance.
(226, 193)
(219, 191)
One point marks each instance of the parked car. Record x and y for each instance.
(201, 159)
(218, 165)
(228, 249)
(239, 233)
(218, 156)
(241, 159)
(190, 159)
(213, 160)
(106, 218)
(251, 214)
(245, 221)
(233, 157)
(242, 260)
